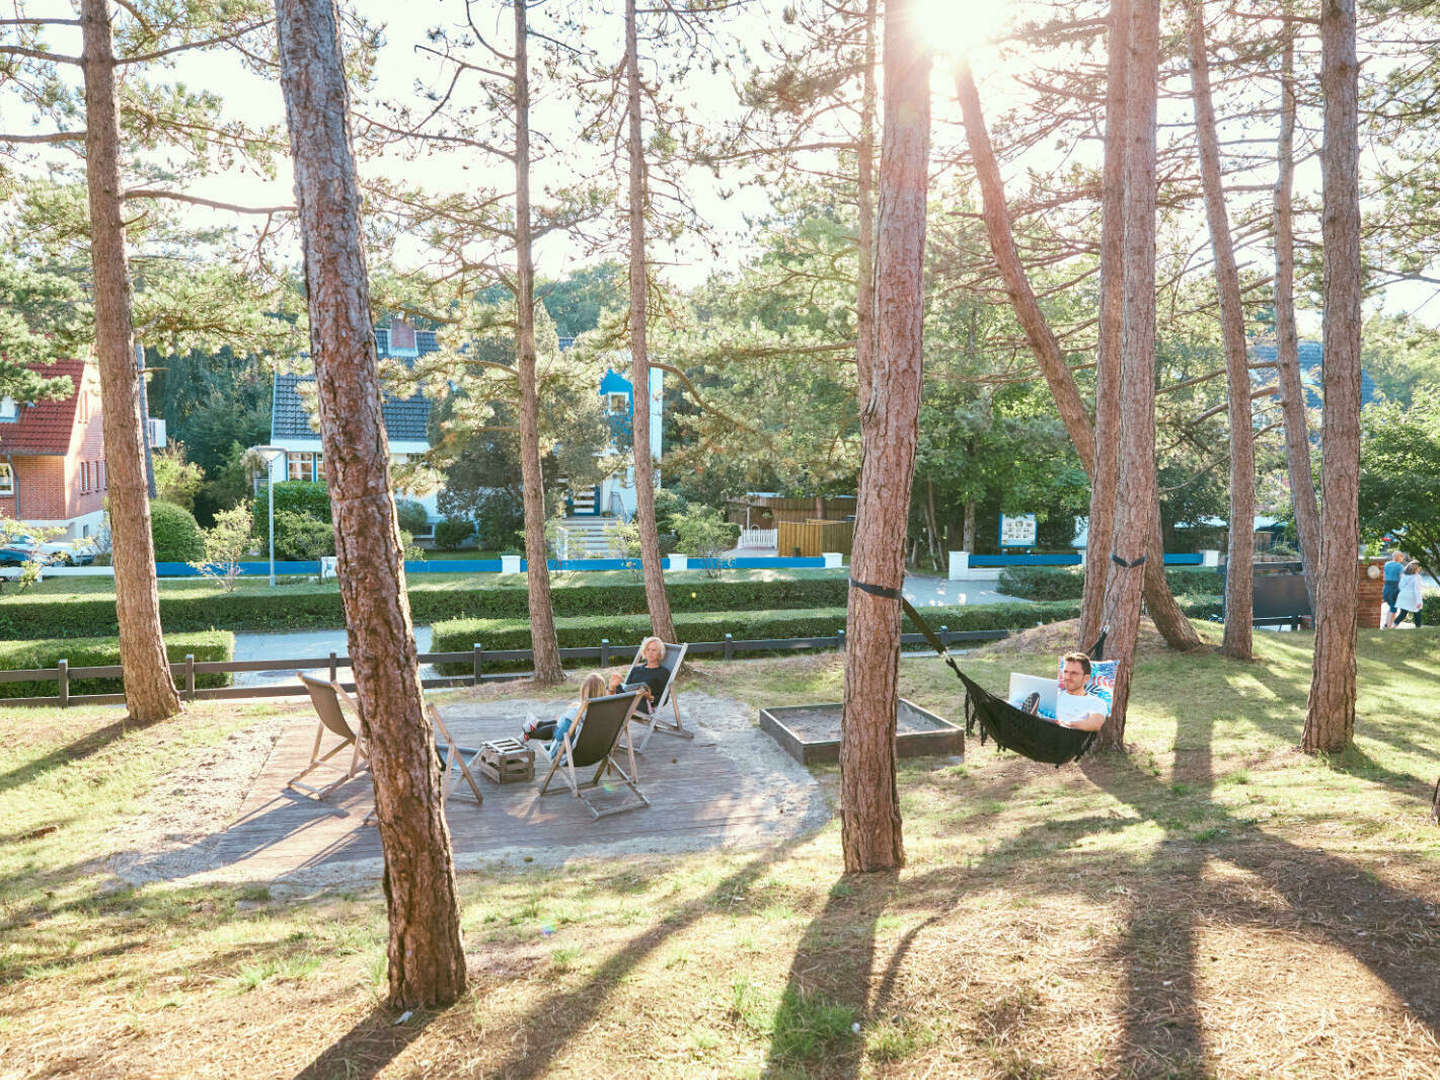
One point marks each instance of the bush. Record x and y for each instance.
(210, 645)
(300, 537)
(451, 533)
(500, 521)
(412, 515)
(1068, 583)
(701, 531)
(668, 503)
(306, 497)
(175, 532)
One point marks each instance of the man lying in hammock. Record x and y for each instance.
(1074, 708)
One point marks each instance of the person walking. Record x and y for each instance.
(1407, 599)
(1393, 570)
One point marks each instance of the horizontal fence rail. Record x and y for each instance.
(185, 672)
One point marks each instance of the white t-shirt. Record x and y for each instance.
(1070, 709)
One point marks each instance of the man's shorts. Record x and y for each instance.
(1390, 595)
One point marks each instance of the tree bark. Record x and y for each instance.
(1287, 348)
(1330, 713)
(1169, 619)
(1239, 572)
(871, 834)
(426, 959)
(967, 540)
(865, 197)
(659, 604)
(1105, 474)
(1137, 494)
(544, 641)
(150, 694)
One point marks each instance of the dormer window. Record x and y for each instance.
(619, 402)
(8, 409)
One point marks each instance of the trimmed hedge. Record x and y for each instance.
(212, 645)
(304, 608)
(175, 533)
(1063, 583)
(626, 632)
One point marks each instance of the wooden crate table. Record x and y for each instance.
(505, 761)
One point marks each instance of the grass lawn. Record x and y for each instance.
(1211, 904)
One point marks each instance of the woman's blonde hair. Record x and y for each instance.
(645, 644)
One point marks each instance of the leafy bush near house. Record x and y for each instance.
(209, 645)
(301, 537)
(500, 521)
(307, 497)
(451, 533)
(700, 530)
(1067, 583)
(412, 515)
(175, 532)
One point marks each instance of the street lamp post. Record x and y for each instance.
(269, 454)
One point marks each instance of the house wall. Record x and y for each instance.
(85, 489)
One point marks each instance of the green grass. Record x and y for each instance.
(1075, 922)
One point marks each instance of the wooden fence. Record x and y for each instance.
(814, 537)
(185, 672)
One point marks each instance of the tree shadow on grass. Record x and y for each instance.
(367, 1048)
(82, 748)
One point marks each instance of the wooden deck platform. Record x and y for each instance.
(731, 785)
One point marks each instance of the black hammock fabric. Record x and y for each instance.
(1014, 729)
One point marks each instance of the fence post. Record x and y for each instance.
(840, 640)
(334, 668)
(729, 646)
(189, 676)
(63, 678)
(604, 652)
(479, 662)
(945, 636)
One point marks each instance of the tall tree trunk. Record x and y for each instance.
(426, 959)
(1239, 573)
(1105, 474)
(1330, 713)
(149, 690)
(967, 541)
(1287, 348)
(659, 604)
(1137, 494)
(865, 196)
(543, 640)
(870, 807)
(1169, 619)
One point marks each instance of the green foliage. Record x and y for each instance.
(306, 497)
(700, 530)
(40, 322)
(499, 519)
(176, 535)
(227, 485)
(302, 537)
(226, 544)
(1400, 475)
(576, 301)
(210, 645)
(668, 503)
(176, 480)
(412, 515)
(451, 533)
(1065, 583)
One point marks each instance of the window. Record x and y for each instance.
(104, 478)
(8, 409)
(302, 466)
(320, 467)
(84, 477)
(7, 480)
(619, 402)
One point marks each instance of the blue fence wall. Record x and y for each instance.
(492, 566)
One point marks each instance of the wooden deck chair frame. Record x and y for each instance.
(329, 700)
(454, 759)
(653, 722)
(600, 726)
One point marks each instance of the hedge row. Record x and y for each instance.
(625, 632)
(315, 609)
(1062, 583)
(211, 645)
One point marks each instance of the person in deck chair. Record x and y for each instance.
(650, 673)
(1074, 708)
(592, 686)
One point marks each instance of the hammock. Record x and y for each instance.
(1025, 733)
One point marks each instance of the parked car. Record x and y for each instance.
(17, 554)
(59, 552)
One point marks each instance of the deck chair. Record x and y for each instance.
(327, 698)
(654, 721)
(595, 744)
(455, 760)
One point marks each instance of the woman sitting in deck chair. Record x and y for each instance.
(649, 672)
(553, 731)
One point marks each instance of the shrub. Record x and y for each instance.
(700, 530)
(209, 645)
(226, 545)
(412, 515)
(668, 503)
(451, 533)
(175, 532)
(500, 521)
(1068, 583)
(300, 537)
(307, 497)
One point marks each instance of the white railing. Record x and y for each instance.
(759, 538)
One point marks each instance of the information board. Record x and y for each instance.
(1017, 530)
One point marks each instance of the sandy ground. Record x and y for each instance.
(174, 838)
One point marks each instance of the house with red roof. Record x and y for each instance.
(52, 457)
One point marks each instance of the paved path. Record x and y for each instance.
(938, 592)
